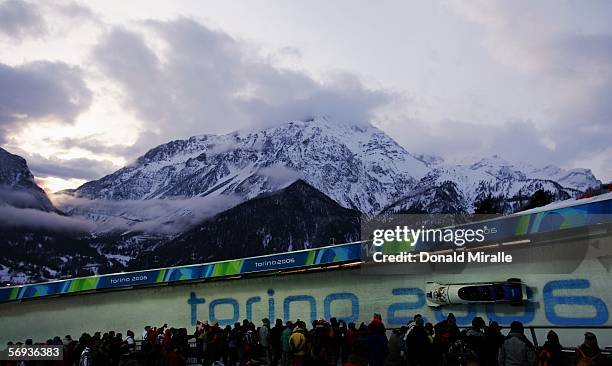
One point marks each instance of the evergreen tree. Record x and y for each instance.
(489, 205)
(539, 198)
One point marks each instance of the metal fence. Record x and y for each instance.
(532, 330)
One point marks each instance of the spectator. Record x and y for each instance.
(214, 341)
(516, 350)
(299, 344)
(352, 334)
(264, 339)
(377, 343)
(86, 358)
(286, 347)
(333, 339)
(359, 350)
(343, 341)
(451, 327)
(320, 344)
(129, 345)
(493, 341)
(430, 331)
(233, 344)
(249, 342)
(275, 341)
(174, 357)
(69, 350)
(474, 338)
(551, 352)
(394, 358)
(588, 353)
(418, 347)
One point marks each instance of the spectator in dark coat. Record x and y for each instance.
(275, 341)
(589, 353)
(493, 341)
(551, 353)
(474, 338)
(418, 346)
(377, 344)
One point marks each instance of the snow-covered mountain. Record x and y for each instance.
(38, 242)
(458, 188)
(360, 167)
(579, 179)
(17, 186)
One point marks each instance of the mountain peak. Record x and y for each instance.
(17, 185)
(359, 166)
(492, 161)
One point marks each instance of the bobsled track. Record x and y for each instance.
(335, 281)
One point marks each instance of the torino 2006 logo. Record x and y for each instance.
(565, 302)
(274, 262)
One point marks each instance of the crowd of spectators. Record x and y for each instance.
(326, 343)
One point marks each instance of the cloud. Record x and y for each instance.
(79, 168)
(95, 145)
(538, 85)
(280, 176)
(73, 11)
(290, 51)
(155, 216)
(35, 219)
(40, 89)
(517, 141)
(21, 198)
(566, 62)
(183, 79)
(20, 19)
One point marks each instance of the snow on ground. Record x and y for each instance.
(569, 203)
(123, 259)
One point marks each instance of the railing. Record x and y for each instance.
(301, 259)
(191, 357)
(568, 352)
(532, 329)
(592, 328)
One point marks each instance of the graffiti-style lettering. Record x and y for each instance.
(405, 302)
(551, 300)
(405, 305)
(299, 298)
(249, 306)
(226, 301)
(193, 301)
(271, 304)
(340, 296)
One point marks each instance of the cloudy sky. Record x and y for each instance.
(87, 87)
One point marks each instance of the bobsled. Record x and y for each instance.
(512, 291)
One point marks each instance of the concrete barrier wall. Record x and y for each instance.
(581, 298)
